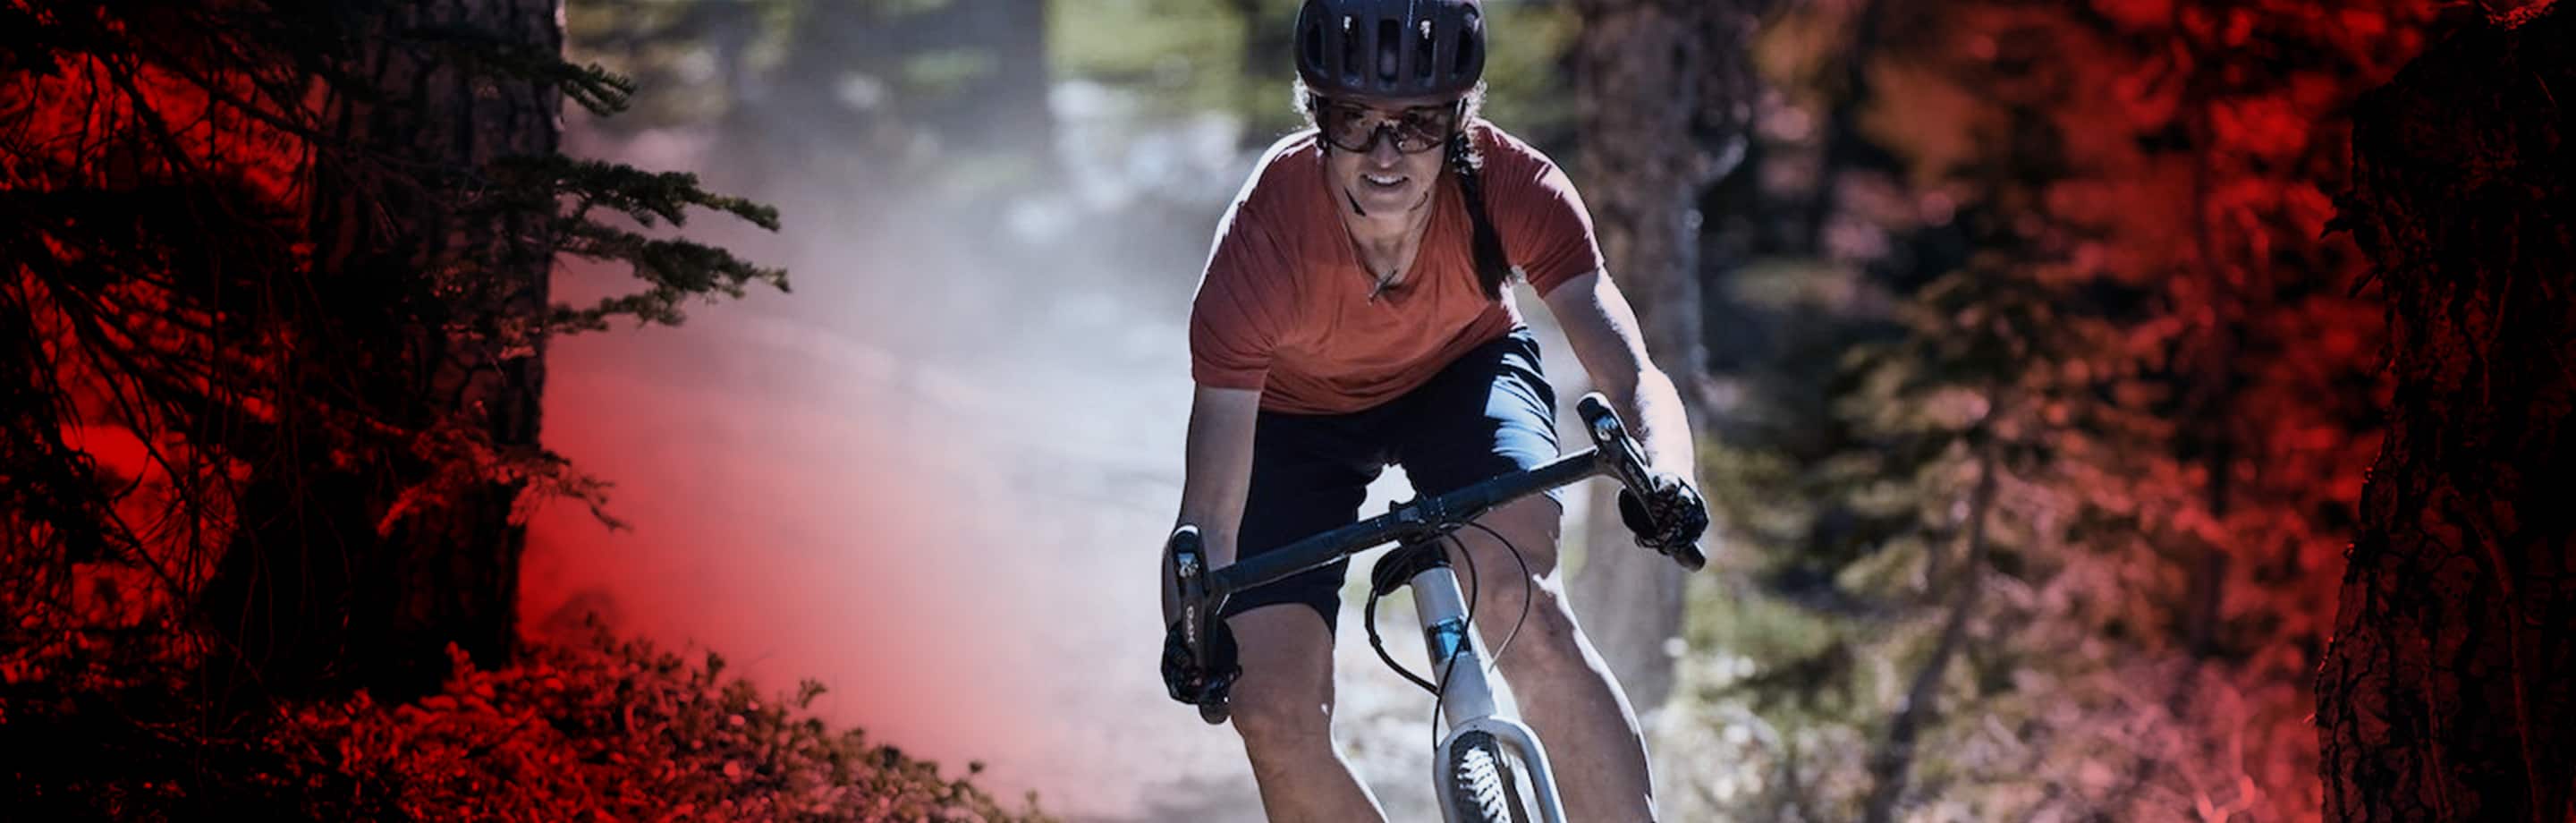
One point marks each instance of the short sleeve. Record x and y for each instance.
(1244, 299)
(1541, 218)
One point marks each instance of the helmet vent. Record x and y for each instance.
(1389, 35)
(1352, 66)
(1423, 63)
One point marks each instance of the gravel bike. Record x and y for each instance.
(1489, 768)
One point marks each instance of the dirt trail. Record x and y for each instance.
(962, 551)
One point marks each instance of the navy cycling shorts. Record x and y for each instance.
(1490, 412)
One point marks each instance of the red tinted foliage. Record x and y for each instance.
(602, 730)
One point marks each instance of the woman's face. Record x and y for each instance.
(1386, 154)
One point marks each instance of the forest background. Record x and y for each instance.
(2035, 394)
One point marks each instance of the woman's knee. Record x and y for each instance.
(1285, 696)
(1547, 640)
(1270, 719)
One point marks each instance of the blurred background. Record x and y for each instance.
(2034, 397)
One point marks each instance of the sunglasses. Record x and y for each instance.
(1355, 128)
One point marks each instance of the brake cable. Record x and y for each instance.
(1368, 619)
(1475, 585)
(1529, 590)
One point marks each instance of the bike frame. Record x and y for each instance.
(1466, 697)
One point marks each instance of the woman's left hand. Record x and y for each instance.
(1670, 516)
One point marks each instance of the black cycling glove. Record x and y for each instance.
(1671, 516)
(1184, 679)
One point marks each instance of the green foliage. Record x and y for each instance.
(1527, 90)
(676, 48)
(675, 270)
(1185, 56)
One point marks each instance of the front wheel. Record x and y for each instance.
(1483, 787)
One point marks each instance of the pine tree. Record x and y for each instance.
(278, 316)
(2066, 540)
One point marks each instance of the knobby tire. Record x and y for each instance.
(1482, 785)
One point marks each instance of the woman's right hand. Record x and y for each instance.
(1187, 677)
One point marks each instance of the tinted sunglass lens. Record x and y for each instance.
(1355, 141)
(1351, 129)
(1411, 140)
(1347, 130)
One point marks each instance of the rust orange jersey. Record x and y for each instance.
(1286, 306)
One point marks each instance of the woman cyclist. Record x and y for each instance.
(1353, 314)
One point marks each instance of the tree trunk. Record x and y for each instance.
(2444, 694)
(1891, 765)
(321, 588)
(1663, 97)
(461, 566)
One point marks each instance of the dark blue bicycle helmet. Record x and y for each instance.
(1390, 48)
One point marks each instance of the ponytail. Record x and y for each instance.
(1493, 269)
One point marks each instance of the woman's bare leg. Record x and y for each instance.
(1564, 690)
(1283, 708)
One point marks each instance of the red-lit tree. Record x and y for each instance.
(2445, 694)
(276, 313)
(2084, 507)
